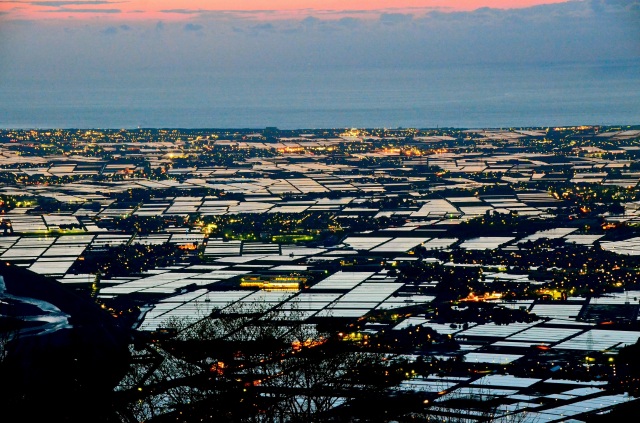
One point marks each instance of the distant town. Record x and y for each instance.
(328, 275)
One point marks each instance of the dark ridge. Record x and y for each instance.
(68, 375)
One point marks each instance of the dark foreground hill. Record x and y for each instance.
(66, 374)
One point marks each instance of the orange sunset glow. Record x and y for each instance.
(255, 9)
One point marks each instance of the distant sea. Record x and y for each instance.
(465, 96)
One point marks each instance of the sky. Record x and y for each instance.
(173, 10)
(69, 48)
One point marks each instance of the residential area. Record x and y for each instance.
(388, 275)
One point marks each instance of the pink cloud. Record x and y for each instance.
(256, 9)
